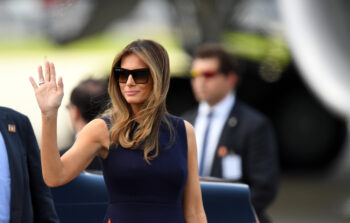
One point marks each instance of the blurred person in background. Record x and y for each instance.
(24, 197)
(235, 142)
(149, 157)
(87, 100)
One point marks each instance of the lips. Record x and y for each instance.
(131, 93)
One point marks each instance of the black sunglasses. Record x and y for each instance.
(140, 76)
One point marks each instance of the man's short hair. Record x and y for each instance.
(90, 97)
(227, 62)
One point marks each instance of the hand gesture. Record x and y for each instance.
(48, 93)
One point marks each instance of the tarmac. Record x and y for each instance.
(311, 199)
(315, 198)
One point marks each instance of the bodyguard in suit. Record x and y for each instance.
(235, 142)
(24, 197)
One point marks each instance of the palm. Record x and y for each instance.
(49, 94)
(49, 97)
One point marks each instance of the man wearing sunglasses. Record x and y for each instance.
(235, 142)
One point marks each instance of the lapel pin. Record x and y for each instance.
(222, 151)
(232, 122)
(12, 128)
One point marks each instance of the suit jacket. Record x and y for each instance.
(31, 199)
(250, 135)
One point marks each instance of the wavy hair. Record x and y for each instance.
(153, 113)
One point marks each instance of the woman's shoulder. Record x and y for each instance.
(106, 119)
(180, 125)
(179, 120)
(96, 130)
(174, 119)
(96, 126)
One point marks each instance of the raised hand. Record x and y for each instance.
(48, 93)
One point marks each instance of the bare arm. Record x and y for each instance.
(57, 171)
(193, 204)
(93, 140)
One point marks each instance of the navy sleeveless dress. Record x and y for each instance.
(139, 192)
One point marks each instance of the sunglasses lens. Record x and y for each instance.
(209, 74)
(121, 75)
(194, 73)
(141, 76)
(206, 74)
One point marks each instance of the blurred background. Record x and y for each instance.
(294, 58)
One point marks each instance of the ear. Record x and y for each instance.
(75, 113)
(232, 79)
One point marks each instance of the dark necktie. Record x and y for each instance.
(205, 142)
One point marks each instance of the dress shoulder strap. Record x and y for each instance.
(107, 119)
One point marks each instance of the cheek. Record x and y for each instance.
(146, 91)
(227, 84)
(121, 89)
(222, 87)
(196, 84)
(149, 90)
(214, 87)
(211, 84)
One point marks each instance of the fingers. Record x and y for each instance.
(35, 86)
(47, 71)
(50, 75)
(60, 84)
(40, 72)
(52, 72)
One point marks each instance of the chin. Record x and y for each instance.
(203, 98)
(134, 101)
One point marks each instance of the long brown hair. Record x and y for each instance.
(153, 112)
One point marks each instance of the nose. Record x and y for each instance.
(130, 80)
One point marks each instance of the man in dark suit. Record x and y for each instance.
(24, 197)
(235, 142)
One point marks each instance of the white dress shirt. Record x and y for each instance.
(221, 112)
(5, 183)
